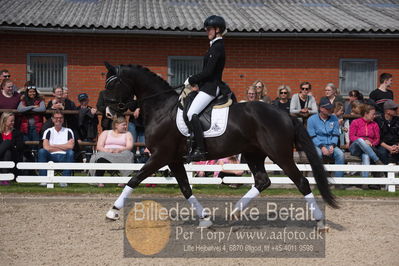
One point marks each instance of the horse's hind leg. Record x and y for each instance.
(181, 176)
(256, 163)
(290, 169)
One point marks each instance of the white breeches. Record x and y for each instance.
(200, 102)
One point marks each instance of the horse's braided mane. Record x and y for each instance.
(145, 69)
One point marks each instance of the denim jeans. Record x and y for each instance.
(138, 134)
(45, 156)
(386, 157)
(339, 158)
(361, 149)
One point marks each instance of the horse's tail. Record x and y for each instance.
(303, 140)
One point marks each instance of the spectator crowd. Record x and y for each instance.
(366, 127)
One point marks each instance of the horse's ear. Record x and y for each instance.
(111, 68)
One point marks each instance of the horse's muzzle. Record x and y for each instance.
(119, 108)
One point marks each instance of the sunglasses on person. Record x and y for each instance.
(7, 76)
(31, 87)
(283, 92)
(251, 93)
(258, 86)
(305, 89)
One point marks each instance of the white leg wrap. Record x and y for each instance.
(244, 201)
(197, 206)
(317, 213)
(125, 194)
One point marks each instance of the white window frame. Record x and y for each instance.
(188, 58)
(374, 77)
(48, 89)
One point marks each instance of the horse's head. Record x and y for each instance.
(119, 90)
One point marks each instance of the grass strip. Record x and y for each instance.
(218, 190)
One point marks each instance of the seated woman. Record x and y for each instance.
(354, 95)
(261, 91)
(203, 173)
(332, 94)
(31, 123)
(11, 143)
(364, 136)
(250, 96)
(114, 146)
(283, 99)
(229, 160)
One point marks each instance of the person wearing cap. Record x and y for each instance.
(88, 120)
(323, 128)
(208, 83)
(388, 150)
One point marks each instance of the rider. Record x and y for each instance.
(209, 82)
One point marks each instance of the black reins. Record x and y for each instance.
(142, 100)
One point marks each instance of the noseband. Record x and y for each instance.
(118, 103)
(109, 80)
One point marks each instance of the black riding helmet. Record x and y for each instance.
(216, 22)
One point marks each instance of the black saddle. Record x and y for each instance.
(205, 115)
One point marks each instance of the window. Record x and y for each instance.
(181, 67)
(47, 70)
(358, 74)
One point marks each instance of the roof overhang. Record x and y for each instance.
(177, 33)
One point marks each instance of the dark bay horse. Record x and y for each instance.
(255, 129)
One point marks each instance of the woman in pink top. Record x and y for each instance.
(364, 136)
(229, 160)
(114, 146)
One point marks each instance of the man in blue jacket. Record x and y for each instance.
(323, 128)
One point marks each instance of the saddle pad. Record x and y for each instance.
(218, 123)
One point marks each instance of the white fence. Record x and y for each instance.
(390, 181)
(6, 176)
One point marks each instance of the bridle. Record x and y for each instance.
(108, 81)
(139, 101)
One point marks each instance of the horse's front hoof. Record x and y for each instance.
(205, 222)
(112, 215)
(322, 227)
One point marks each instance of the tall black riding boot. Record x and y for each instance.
(198, 153)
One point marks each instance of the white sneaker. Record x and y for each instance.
(112, 214)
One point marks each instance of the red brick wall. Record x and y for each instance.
(275, 61)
